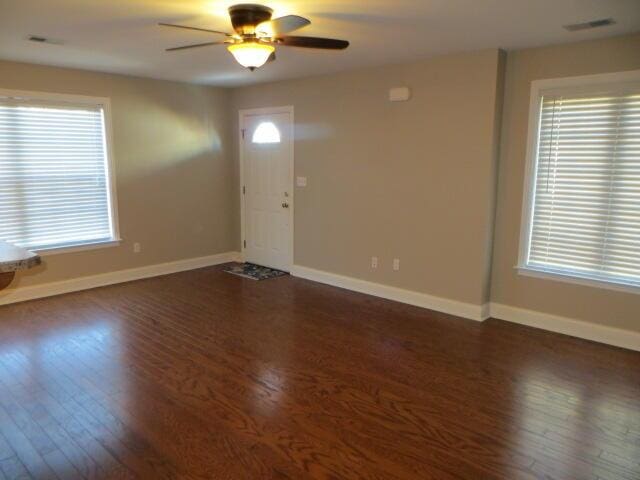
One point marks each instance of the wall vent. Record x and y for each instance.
(575, 27)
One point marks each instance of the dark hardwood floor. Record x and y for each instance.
(204, 375)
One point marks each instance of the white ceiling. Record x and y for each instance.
(122, 36)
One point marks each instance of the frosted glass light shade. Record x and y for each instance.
(251, 54)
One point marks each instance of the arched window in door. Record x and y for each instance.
(266, 132)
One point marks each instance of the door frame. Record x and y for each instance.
(242, 115)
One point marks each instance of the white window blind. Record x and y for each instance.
(54, 179)
(585, 216)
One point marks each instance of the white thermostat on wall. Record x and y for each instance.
(399, 94)
(301, 181)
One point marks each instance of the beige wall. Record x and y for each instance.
(173, 169)
(412, 180)
(596, 305)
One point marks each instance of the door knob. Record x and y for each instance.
(285, 205)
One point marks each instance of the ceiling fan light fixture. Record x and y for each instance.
(257, 34)
(251, 55)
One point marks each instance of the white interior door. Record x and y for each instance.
(267, 177)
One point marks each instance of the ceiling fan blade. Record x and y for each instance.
(196, 45)
(194, 28)
(282, 25)
(313, 42)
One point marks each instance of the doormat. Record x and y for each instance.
(253, 271)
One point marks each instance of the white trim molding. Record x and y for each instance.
(32, 292)
(614, 82)
(440, 304)
(545, 321)
(243, 115)
(46, 252)
(568, 326)
(577, 279)
(104, 103)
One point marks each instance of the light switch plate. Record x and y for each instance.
(301, 181)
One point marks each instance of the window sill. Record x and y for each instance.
(45, 252)
(577, 279)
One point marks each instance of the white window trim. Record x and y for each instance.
(76, 100)
(81, 247)
(538, 88)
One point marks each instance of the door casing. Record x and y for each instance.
(242, 115)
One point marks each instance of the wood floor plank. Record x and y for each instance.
(13, 469)
(203, 375)
(25, 451)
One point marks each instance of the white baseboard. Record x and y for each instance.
(446, 305)
(22, 294)
(554, 323)
(568, 326)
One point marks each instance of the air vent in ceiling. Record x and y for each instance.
(47, 40)
(604, 22)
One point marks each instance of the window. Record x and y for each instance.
(582, 210)
(266, 132)
(55, 185)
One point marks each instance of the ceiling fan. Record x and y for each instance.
(257, 34)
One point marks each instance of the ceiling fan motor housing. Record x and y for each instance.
(246, 16)
(252, 48)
